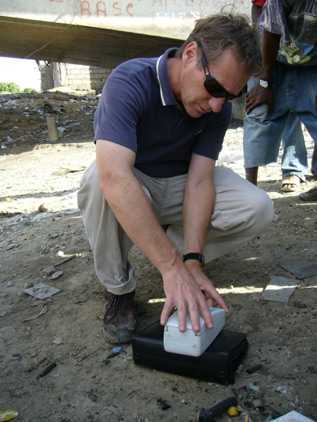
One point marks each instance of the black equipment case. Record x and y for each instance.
(217, 364)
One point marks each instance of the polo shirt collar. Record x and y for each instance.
(167, 96)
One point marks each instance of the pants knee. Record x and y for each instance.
(262, 211)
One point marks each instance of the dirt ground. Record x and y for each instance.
(40, 227)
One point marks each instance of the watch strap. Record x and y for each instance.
(195, 256)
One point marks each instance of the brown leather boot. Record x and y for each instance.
(120, 318)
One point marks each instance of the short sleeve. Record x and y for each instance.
(209, 142)
(272, 18)
(119, 109)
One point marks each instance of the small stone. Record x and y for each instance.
(257, 403)
(42, 208)
(163, 404)
(281, 389)
(254, 368)
(253, 387)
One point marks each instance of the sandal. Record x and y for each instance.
(309, 196)
(290, 184)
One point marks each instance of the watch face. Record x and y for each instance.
(263, 83)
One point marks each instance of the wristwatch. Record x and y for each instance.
(194, 255)
(263, 83)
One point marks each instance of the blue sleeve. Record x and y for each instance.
(209, 143)
(119, 109)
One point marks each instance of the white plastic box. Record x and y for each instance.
(189, 343)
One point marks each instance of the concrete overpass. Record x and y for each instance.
(100, 32)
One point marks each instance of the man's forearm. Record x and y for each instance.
(132, 209)
(198, 208)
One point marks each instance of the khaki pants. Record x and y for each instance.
(241, 212)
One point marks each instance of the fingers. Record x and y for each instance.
(166, 311)
(181, 311)
(251, 103)
(194, 316)
(198, 307)
(216, 298)
(192, 297)
(204, 310)
(210, 302)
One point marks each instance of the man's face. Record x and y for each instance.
(227, 71)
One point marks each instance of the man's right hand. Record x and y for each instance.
(258, 95)
(183, 293)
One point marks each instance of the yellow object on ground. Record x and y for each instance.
(7, 415)
(233, 411)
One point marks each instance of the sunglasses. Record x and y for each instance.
(211, 84)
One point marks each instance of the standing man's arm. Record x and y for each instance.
(269, 49)
(132, 209)
(272, 23)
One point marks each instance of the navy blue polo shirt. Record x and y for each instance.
(138, 110)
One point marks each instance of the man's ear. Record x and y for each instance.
(190, 53)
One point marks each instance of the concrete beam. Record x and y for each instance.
(42, 40)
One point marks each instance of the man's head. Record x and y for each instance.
(217, 59)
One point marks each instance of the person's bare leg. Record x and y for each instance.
(251, 174)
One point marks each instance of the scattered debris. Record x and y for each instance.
(209, 415)
(117, 349)
(251, 402)
(62, 171)
(299, 305)
(56, 275)
(47, 370)
(293, 417)
(255, 368)
(42, 312)
(253, 387)
(279, 290)
(282, 389)
(67, 258)
(87, 355)
(115, 352)
(36, 365)
(30, 111)
(163, 404)
(42, 291)
(7, 415)
(300, 269)
(48, 271)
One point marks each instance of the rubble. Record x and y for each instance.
(23, 117)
